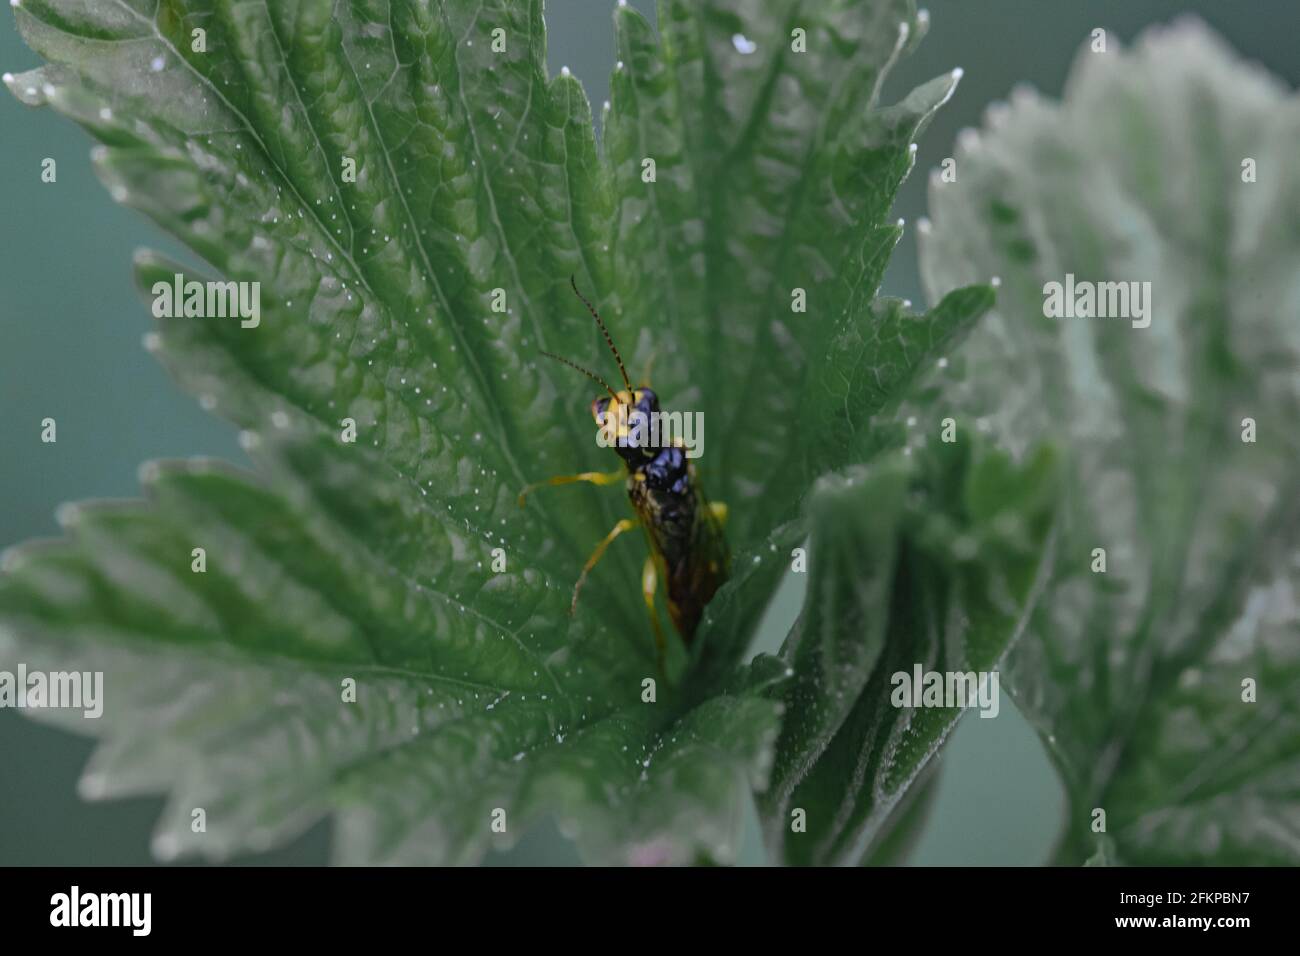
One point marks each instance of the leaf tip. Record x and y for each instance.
(92, 786)
(28, 88)
(67, 515)
(165, 847)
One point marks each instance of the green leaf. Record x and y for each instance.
(902, 828)
(782, 167)
(227, 686)
(478, 180)
(1134, 676)
(873, 361)
(933, 559)
(1104, 854)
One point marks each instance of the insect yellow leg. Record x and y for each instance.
(649, 581)
(719, 510)
(627, 524)
(592, 477)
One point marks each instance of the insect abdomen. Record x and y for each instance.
(687, 542)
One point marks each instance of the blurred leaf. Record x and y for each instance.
(1104, 854)
(930, 560)
(902, 828)
(1135, 677)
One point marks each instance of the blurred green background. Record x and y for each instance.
(70, 330)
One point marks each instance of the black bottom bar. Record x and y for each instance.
(219, 904)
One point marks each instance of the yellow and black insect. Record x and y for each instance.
(688, 550)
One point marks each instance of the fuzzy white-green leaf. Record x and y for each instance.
(1171, 164)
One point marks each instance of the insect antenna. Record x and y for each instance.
(591, 375)
(608, 340)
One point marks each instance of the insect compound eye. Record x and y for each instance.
(647, 400)
(598, 409)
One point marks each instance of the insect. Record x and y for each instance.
(688, 551)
